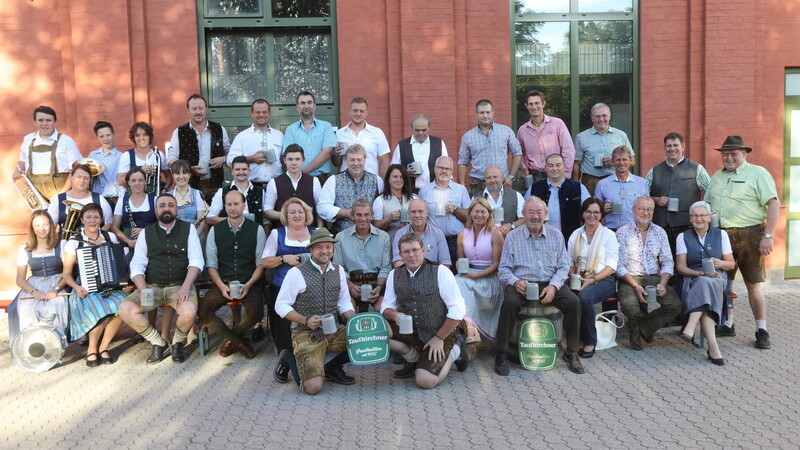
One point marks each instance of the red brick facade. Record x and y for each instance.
(707, 69)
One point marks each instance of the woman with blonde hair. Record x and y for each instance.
(481, 243)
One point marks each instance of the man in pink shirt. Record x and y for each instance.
(542, 136)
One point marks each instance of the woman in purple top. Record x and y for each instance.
(481, 243)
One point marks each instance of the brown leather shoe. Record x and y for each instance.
(246, 349)
(227, 349)
(634, 335)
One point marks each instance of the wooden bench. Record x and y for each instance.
(202, 333)
(4, 304)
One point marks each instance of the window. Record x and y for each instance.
(269, 49)
(578, 52)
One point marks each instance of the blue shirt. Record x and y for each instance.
(589, 143)
(453, 193)
(106, 183)
(530, 258)
(436, 249)
(612, 190)
(492, 149)
(313, 141)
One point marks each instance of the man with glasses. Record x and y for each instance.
(449, 202)
(645, 260)
(746, 200)
(593, 148)
(422, 147)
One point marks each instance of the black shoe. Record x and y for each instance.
(157, 355)
(635, 336)
(648, 339)
(573, 363)
(463, 361)
(501, 365)
(397, 358)
(177, 353)
(92, 362)
(281, 372)
(762, 339)
(407, 371)
(726, 331)
(258, 334)
(338, 376)
(106, 360)
(586, 355)
(717, 361)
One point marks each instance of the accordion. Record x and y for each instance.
(102, 268)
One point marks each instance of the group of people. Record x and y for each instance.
(456, 251)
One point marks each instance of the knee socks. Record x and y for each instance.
(153, 336)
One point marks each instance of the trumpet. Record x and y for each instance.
(33, 198)
(70, 226)
(153, 173)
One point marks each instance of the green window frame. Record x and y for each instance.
(251, 49)
(573, 83)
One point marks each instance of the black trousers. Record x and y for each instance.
(280, 328)
(565, 301)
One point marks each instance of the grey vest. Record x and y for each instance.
(348, 191)
(678, 182)
(509, 205)
(419, 298)
(320, 297)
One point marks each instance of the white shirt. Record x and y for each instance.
(203, 144)
(119, 207)
(271, 247)
(382, 207)
(371, 138)
(66, 153)
(54, 204)
(448, 290)
(607, 254)
(125, 162)
(271, 193)
(680, 244)
(499, 202)
(253, 140)
(421, 152)
(140, 259)
(325, 207)
(294, 284)
(217, 206)
(70, 247)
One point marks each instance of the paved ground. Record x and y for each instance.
(667, 396)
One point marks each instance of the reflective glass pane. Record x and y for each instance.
(238, 68)
(301, 8)
(302, 63)
(605, 5)
(542, 63)
(606, 71)
(793, 84)
(794, 134)
(233, 8)
(793, 249)
(794, 189)
(541, 6)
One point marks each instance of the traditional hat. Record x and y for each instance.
(321, 235)
(733, 143)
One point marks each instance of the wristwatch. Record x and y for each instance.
(513, 225)
(768, 235)
(281, 259)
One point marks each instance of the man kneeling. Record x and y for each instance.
(428, 293)
(309, 291)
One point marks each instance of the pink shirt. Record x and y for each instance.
(479, 253)
(554, 137)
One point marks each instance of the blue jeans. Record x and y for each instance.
(596, 293)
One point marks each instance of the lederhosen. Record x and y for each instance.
(47, 184)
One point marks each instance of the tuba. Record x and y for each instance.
(33, 198)
(95, 167)
(70, 226)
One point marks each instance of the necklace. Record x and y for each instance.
(183, 195)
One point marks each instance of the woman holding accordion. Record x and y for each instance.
(91, 312)
(135, 211)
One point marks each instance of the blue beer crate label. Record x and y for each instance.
(367, 339)
(538, 344)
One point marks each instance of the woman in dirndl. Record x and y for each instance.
(93, 313)
(482, 243)
(701, 293)
(39, 294)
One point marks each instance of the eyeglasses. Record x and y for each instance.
(697, 216)
(649, 210)
(411, 251)
(592, 213)
(443, 168)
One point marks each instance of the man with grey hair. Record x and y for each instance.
(342, 190)
(422, 147)
(593, 148)
(536, 253)
(364, 252)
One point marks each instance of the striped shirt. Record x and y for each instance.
(531, 258)
(484, 150)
